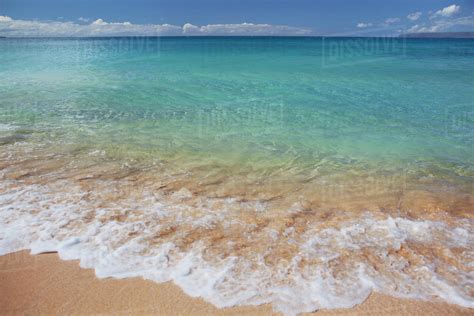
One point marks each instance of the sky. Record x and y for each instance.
(233, 17)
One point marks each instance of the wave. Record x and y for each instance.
(232, 252)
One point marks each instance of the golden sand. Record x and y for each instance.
(43, 284)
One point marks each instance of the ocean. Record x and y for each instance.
(303, 172)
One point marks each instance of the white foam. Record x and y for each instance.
(35, 217)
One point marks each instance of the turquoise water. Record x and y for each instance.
(392, 101)
(302, 172)
(305, 112)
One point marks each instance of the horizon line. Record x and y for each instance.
(401, 36)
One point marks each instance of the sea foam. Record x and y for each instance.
(332, 267)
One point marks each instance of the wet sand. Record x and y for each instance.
(44, 284)
(284, 234)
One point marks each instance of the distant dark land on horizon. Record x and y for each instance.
(440, 35)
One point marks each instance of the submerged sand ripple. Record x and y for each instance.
(226, 235)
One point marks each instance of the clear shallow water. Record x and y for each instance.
(289, 159)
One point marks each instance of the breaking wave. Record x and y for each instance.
(231, 252)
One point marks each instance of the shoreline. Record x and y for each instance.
(44, 284)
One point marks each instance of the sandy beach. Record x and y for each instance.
(44, 284)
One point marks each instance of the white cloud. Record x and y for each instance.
(190, 29)
(447, 12)
(23, 28)
(444, 25)
(443, 20)
(250, 29)
(414, 16)
(85, 20)
(99, 22)
(392, 20)
(423, 29)
(5, 18)
(363, 25)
